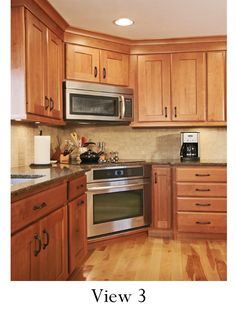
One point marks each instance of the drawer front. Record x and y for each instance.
(201, 174)
(201, 204)
(25, 211)
(201, 189)
(77, 187)
(202, 222)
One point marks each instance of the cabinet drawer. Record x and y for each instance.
(201, 189)
(201, 174)
(202, 222)
(77, 187)
(25, 211)
(201, 204)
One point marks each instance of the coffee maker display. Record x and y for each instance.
(189, 146)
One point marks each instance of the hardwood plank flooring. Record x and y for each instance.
(147, 259)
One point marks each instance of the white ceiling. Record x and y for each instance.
(154, 19)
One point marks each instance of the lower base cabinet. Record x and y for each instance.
(77, 232)
(39, 252)
(161, 200)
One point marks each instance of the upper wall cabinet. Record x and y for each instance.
(154, 87)
(188, 81)
(216, 85)
(95, 65)
(180, 89)
(37, 69)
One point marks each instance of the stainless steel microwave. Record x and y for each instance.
(97, 102)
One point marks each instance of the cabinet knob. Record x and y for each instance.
(80, 203)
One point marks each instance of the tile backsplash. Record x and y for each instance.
(130, 143)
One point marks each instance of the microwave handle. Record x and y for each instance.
(122, 107)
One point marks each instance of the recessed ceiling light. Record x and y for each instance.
(124, 21)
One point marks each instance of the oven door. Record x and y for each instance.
(117, 206)
(92, 105)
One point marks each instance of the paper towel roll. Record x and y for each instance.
(42, 150)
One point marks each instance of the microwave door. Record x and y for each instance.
(93, 106)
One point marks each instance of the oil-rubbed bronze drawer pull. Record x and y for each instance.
(37, 240)
(155, 178)
(165, 112)
(203, 204)
(40, 206)
(202, 174)
(80, 203)
(202, 190)
(203, 222)
(95, 71)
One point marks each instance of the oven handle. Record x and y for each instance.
(102, 188)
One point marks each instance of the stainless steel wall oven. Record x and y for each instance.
(118, 199)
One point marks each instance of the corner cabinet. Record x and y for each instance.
(37, 60)
(95, 65)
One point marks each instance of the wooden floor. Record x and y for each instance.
(146, 258)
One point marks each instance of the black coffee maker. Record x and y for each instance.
(189, 146)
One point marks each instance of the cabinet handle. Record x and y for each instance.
(47, 239)
(202, 174)
(203, 222)
(40, 206)
(37, 239)
(46, 103)
(104, 73)
(51, 104)
(202, 190)
(175, 109)
(203, 204)
(165, 112)
(95, 71)
(80, 203)
(155, 178)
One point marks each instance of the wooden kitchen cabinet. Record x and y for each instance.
(82, 63)
(95, 65)
(77, 209)
(114, 68)
(188, 86)
(161, 198)
(154, 87)
(39, 252)
(200, 201)
(77, 232)
(216, 86)
(37, 66)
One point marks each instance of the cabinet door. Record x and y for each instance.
(216, 82)
(54, 67)
(25, 254)
(114, 68)
(188, 86)
(82, 63)
(77, 231)
(161, 178)
(53, 257)
(36, 72)
(154, 88)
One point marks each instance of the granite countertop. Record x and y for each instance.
(60, 172)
